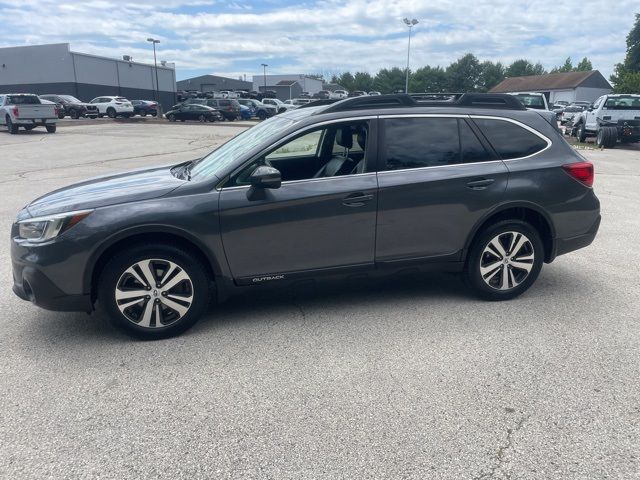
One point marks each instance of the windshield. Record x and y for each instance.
(70, 99)
(531, 101)
(225, 155)
(628, 102)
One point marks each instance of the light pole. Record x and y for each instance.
(264, 75)
(410, 23)
(156, 91)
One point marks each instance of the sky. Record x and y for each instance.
(232, 38)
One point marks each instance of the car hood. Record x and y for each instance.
(107, 190)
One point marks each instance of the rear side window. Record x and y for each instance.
(510, 140)
(23, 100)
(471, 149)
(420, 142)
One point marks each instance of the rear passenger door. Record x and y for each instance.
(437, 176)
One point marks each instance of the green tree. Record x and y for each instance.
(346, 80)
(625, 77)
(463, 75)
(363, 81)
(566, 67)
(428, 79)
(388, 80)
(524, 67)
(584, 65)
(491, 74)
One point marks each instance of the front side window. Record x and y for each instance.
(314, 154)
(510, 140)
(420, 142)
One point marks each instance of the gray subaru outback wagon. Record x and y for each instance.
(470, 183)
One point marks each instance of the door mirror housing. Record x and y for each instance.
(266, 177)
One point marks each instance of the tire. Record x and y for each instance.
(12, 128)
(74, 114)
(611, 137)
(111, 112)
(143, 113)
(140, 319)
(600, 141)
(61, 115)
(211, 118)
(50, 128)
(581, 134)
(202, 119)
(488, 283)
(262, 115)
(100, 115)
(172, 118)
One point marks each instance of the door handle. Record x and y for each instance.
(357, 199)
(480, 184)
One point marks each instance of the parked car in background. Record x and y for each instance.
(247, 113)
(113, 107)
(610, 118)
(568, 113)
(582, 104)
(144, 108)
(339, 94)
(533, 100)
(59, 106)
(270, 94)
(374, 93)
(357, 93)
(298, 102)
(26, 110)
(262, 110)
(71, 106)
(305, 95)
(228, 107)
(322, 95)
(279, 104)
(186, 111)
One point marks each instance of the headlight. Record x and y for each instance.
(42, 229)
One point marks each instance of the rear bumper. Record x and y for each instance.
(35, 121)
(566, 245)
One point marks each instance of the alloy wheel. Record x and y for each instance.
(154, 293)
(507, 260)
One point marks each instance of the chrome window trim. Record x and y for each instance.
(306, 180)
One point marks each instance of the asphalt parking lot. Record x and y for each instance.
(404, 377)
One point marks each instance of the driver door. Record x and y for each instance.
(311, 222)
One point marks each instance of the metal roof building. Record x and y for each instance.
(213, 83)
(567, 86)
(55, 69)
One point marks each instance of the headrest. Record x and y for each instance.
(344, 137)
(362, 137)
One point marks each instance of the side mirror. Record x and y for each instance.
(590, 109)
(266, 177)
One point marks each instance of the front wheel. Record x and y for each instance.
(172, 118)
(74, 114)
(505, 260)
(12, 128)
(202, 119)
(111, 112)
(154, 291)
(581, 134)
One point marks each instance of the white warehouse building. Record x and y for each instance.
(308, 84)
(567, 86)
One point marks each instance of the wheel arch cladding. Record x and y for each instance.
(524, 213)
(147, 238)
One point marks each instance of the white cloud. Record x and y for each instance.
(327, 35)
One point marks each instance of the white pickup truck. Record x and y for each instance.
(27, 111)
(609, 119)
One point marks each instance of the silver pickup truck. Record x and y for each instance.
(27, 111)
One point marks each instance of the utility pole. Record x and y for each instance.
(410, 23)
(156, 90)
(264, 75)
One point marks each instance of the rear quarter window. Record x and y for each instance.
(510, 140)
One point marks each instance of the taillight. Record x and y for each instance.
(55, 111)
(16, 112)
(581, 171)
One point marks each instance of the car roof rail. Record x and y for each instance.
(319, 102)
(501, 101)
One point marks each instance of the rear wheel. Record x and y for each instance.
(581, 134)
(12, 128)
(505, 260)
(111, 112)
(51, 128)
(202, 118)
(154, 291)
(143, 113)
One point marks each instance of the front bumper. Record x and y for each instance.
(32, 285)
